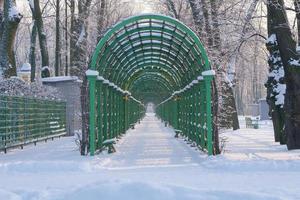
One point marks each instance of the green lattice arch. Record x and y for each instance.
(153, 58)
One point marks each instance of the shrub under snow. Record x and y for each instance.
(17, 87)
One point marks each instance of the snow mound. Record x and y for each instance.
(131, 190)
(9, 195)
(149, 191)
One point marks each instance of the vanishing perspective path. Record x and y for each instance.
(151, 144)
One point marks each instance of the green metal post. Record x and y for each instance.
(92, 81)
(112, 113)
(99, 114)
(123, 114)
(197, 114)
(118, 114)
(203, 116)
(105, 110)
(126, 113)
(208, 80)
(109, 112)
(175, 112)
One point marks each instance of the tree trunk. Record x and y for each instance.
(215, 24)
(85, 117)
(72, 38)
(197, 16)
(217, 53)
(215, 112)
(66, 39)
(172, 9)
(78, 61)
(37, 14)
(275, 68)
(78, 38)
(216, 42)
(297, 9)
(57, 40)
(234, 114)
(32, 52)
(9, 25)
(101, 18)
(207, 20)
(290, 60)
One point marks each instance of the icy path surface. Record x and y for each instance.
(152, 145)
(150, 164)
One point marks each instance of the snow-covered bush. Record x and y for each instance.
(17, 87)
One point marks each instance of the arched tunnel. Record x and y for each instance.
(150, 58)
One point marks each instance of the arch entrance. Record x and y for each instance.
(150, 58)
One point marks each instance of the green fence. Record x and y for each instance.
(28, 120)
(189, 111)
(112, 112)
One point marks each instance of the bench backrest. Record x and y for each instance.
(248, 120)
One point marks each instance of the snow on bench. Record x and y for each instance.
(132, 126)
(109, 143)
(251, 123)
(178, 132)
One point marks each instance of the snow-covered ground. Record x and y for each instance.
(150, 164)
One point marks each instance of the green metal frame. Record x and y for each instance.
(26, 120)
(153, 57)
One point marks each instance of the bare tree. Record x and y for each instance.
(197, 16)
(172, 9)
(101, 18)
(32, 55)
(297, 10)
(38, 20)
(282, 36)
(66, 39)
(78, 59)
(208, 23)
(10, 19)
(79, 34)
(57, 39)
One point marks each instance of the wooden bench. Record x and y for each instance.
(132, 126)
(110, 145)
(178, 132)
(250, 123)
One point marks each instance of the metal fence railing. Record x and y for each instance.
(29, 120)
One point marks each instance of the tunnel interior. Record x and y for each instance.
(150, 59)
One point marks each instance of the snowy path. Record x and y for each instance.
(152, 145)
(150, 164)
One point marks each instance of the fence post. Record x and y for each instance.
(92, 76)
(208, 76)
(99, 113)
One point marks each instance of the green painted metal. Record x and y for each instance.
(92, 83)
(99, 87)
(156, 59)
(26, 120)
